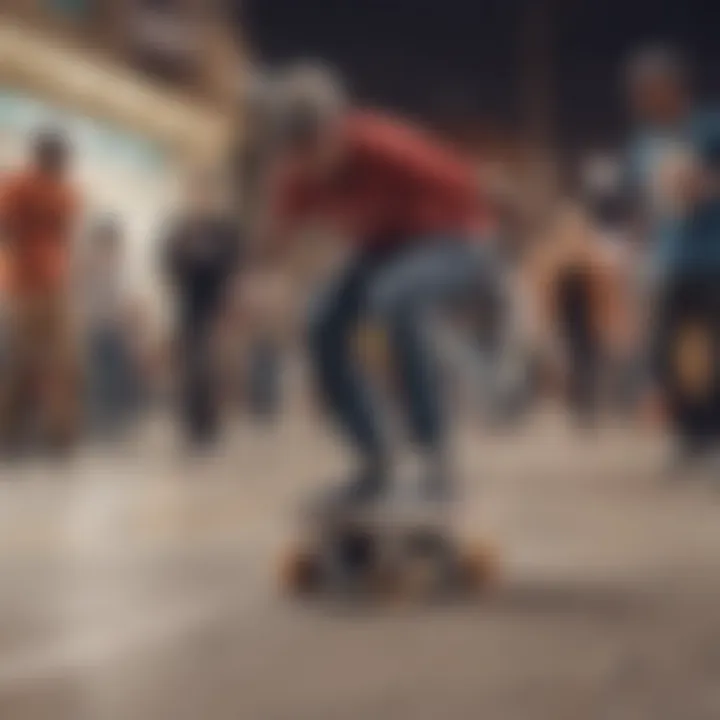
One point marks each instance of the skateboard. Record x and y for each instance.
(407, 552)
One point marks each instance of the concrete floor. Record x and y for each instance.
(138, 584)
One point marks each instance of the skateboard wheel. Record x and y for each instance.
(300, 572)
(356, 552)
(479, 567)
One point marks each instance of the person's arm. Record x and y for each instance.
(283, 204)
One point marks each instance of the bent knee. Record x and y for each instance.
(326, 326)
(317, 323)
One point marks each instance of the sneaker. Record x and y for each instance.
(364, 489)
(427, 478)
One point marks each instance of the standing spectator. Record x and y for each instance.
(688, 340)
(673, 166)
(578, 308)
(609, 209)
(105, 308)
(201, 257)
(38, 211)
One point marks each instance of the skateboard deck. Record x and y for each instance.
(404, 550)
(399, 515)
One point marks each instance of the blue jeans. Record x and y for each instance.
(110, 386)
(265, 379)
(398, 289)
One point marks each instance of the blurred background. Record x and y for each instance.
(158, 426)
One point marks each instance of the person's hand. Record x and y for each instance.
(680, 182)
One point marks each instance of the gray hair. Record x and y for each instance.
(312, 95)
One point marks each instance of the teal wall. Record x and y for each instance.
(21, 113)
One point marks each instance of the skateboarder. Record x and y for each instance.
(415, 214)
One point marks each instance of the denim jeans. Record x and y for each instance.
(265, 379)
(111, 390)
(398, 289)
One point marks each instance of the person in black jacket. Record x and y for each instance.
(201, 256)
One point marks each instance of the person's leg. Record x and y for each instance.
(198, 401)
(104, 388)
(669, 322)
(575, 321)
(265, 370)
(120, 400)
(189, 358)
(91, 383)
(714, 307)
(60, 385)
(705, 365)
(403, 296)
(584, 357)
(14, 382)
(685, 350)
(333, 323)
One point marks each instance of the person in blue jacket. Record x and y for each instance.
(674, 166)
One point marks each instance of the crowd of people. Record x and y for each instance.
(79, 358)
(605, 294)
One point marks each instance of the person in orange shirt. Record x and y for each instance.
(38, 211)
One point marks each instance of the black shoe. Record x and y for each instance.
(685, 461)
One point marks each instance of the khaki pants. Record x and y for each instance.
(39, 387)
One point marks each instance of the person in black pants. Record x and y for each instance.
(583, 345)
(201, 258)
(689, 312)
(689, 355)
